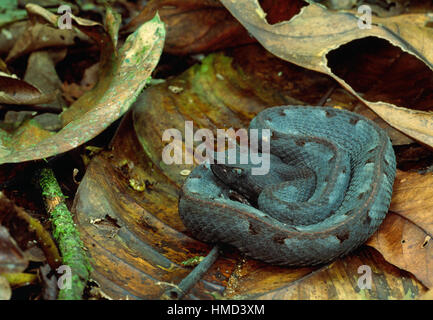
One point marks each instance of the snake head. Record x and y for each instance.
(229, 174)
(237, 177)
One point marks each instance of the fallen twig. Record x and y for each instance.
(67, 236)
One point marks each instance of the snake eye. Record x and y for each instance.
(238, 171)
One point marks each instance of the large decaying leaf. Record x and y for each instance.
(126, 204)
(309, 38)
(107, 101)
(342, 280)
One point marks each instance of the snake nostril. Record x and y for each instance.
(371, 160)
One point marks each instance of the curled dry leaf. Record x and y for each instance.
(194, 26)
(106, 38)
(41, 72)
(112, 23)
(136, 239)
(19, 92)
(39, 35)
(404, 239)
(125, 77)
(309, 38)
(9, 35)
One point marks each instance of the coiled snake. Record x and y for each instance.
(328, 189)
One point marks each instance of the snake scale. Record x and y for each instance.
(327, 191)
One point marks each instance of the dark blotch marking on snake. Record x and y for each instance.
(279, 238)
(353, 121)
(370, 160)
(300, 143)
(330, 113)
(343, 237)
(254, 229)
(361, 195)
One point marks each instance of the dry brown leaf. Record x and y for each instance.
(405, 245)
(39, 36)
(18, 92)
(339, 281)
(10, 34)
(41, 73)
(404, 238)
(310, 36)
(413, 198)
(194, 26)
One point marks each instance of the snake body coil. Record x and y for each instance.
(328, 189)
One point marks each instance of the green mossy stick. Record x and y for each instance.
(67, 236)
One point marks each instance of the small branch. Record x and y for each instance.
(179, 291)
(67, 236)
(326, 96)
